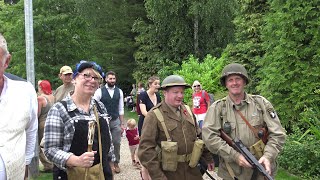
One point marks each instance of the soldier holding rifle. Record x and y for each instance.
(247, 119)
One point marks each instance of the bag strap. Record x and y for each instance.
(161, 119)
(204, 97)
(71, 113)
(248, 124)
(98, 107)
(99, 133)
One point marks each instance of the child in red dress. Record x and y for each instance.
(133, 138)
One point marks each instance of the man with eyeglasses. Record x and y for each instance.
(112, 97)
(66, 76)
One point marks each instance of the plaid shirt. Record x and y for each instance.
(59, 130)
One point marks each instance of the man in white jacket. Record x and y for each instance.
(18, 122)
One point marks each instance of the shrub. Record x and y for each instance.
(207, 72)
(301, 155)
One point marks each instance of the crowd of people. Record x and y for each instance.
(80, 126)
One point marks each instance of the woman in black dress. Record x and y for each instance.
(147, 100)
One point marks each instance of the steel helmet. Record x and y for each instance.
(234, 68)
(174, 80)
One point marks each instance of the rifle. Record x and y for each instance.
(241, 148)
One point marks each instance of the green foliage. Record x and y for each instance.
(301, 156)
(175, 29)
(59, 28)
(59, 37)
(66, 31)
(112, 44)
(291, 63)
(312, 117)
(12, 27)
(206, 72)
(247, 48)
(147, 43)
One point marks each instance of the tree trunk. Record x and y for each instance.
(195, 34)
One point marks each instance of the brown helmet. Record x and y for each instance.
(233, 68)
(174, 80)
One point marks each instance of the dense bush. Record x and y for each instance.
(301, 155)
(291, 66)
(206, 72)
(312, 117)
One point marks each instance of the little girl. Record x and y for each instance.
(133, 138)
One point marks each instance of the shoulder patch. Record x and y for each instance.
(272, 113)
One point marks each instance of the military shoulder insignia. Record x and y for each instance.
(272, 113)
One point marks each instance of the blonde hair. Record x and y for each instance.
(152, 79)
(131, 122)
(97, 73)
(196, 82)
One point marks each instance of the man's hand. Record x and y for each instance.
(112, 167)
(243, 162)
(122, 128)
(266, 163)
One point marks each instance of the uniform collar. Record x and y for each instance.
(244, 102)
(172, 112)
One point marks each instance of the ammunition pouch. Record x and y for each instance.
(169, 155)
(180, 158)
(257, 149)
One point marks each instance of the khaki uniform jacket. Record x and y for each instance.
(62, 92)
(259, 112)
(181, 131)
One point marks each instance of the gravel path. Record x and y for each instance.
(129, 172)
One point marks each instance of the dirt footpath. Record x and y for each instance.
(130, 172)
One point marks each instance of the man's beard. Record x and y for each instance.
(110, 84)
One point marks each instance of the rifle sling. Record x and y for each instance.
(99, 135)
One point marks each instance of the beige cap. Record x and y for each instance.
(66, 70)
